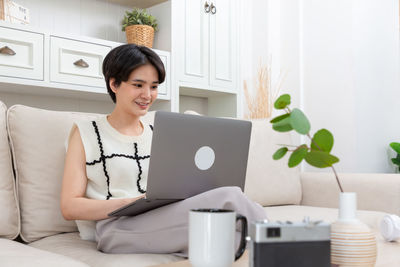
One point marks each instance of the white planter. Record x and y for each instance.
(352, 242)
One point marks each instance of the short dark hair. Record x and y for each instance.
(122, 60)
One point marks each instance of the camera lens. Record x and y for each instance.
(274, 232)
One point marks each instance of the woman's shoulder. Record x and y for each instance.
(88, 121)
(88, 125)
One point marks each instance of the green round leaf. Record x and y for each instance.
(297, 156)
(280, 153)
(282, 125)
(322, 140)
(395, 146)
(320, 159)
(396, 161)
(282, 102)
(299, 121)
(279, 118)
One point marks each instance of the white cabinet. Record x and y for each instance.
(223, 44)
(21, 54)
(207, 44)
(193, 44)
(164, 88)
(39, 62)
(77, 62)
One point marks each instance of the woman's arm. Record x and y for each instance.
(74, 204)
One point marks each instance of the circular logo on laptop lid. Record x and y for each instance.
(204, 158)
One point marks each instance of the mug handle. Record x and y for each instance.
(242, 246)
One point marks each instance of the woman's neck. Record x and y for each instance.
(125, 124)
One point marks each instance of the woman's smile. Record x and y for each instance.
(143, 105)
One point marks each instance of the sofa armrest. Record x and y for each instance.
(375, 191)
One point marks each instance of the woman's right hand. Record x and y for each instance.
(131, 200)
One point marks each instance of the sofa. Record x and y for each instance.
(34, 233)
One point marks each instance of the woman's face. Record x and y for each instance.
(136, 95)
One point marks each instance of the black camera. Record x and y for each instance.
(289, 244)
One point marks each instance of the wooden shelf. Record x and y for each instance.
(138, 3)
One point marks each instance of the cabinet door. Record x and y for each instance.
(163, 89)
(22, 54)
(192, 45)
(223, 44)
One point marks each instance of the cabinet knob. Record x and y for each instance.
(207, 7)
(7, 51)
(213, 9)
(81, 63)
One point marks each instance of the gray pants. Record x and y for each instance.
(165, 230)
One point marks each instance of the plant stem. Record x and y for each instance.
(337, 179)
(286, 145)
(334, 171)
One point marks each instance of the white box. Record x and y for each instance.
(13, 12)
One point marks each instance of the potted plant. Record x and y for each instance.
(139, 27)
(396, 161)
(349, 236)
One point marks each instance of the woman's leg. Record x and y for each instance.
(165, 230)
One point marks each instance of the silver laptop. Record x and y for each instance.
(190, 155)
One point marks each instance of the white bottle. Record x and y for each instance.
(390, 227)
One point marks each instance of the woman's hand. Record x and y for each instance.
(133, 199)
(139, 197)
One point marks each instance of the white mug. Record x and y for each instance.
(212, 237)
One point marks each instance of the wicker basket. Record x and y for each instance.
(140, 35)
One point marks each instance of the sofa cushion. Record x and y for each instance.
(72, 246)
(9, 219)
(321, 189)
(37, 140)
(388, 255)
(16, 254)
(38, 143)
(270, 182)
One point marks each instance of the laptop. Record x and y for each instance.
(190, 155)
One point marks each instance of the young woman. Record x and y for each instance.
(107, 163)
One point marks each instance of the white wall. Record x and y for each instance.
(343, 59)
(270, 22)
(377, 82)
(329, 93)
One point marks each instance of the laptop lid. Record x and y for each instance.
(192, 154)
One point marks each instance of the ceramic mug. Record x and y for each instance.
(212, 237)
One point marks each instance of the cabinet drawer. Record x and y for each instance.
(163, 88)
(25, 57)
(77, 62)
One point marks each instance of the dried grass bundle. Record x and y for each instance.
(260, 106)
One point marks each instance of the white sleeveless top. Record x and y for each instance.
(116, 164)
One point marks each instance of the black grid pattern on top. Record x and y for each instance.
(103, 158)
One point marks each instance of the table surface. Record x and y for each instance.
(241, 262)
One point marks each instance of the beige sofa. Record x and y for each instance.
(32, 157)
